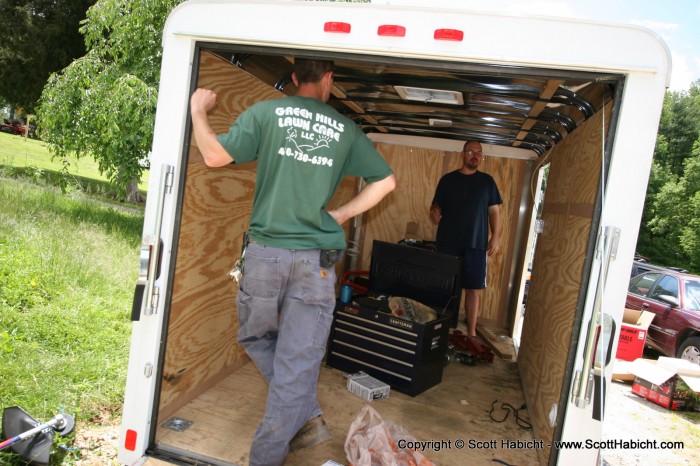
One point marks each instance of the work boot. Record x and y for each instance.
(312, 433)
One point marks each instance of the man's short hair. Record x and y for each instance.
(468, 141)
(311, 71)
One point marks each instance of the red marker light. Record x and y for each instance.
(448, 34)
(335, 26)
(130, 440)
(391, 30)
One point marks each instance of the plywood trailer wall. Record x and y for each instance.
(558, 269)
(201, 344)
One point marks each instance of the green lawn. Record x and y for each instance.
(33, 157)
(68, 266)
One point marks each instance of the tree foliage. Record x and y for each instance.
(670, 229)
(39, 37)
(679, 128)
(103, 104)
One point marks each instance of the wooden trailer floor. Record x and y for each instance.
(225, 418)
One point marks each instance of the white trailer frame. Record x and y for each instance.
(633, 52)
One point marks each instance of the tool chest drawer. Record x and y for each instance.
(408, 356)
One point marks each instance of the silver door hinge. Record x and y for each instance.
(169, 179)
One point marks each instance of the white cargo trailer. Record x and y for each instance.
(582, 98)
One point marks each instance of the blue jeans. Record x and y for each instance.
(285, 311)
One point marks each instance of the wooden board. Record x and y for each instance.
(497, 339)
(225, 418)
(558, 271)
(155, 462)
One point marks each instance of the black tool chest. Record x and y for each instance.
(365, 336)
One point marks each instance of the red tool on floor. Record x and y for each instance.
(468, 349)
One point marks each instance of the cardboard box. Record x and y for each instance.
(633, 334)
(621, 371)
(366, 387)
(669, 382)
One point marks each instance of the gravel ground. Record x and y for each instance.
(97, 445)
(631, 417)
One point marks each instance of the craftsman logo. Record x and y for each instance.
(351, 310)
(401, 323)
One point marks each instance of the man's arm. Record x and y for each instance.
(202, 102)
(495, 224)
(367, 198)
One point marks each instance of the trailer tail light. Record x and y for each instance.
(336, 26)
(448, 34)
(130, 440)
(392, 30)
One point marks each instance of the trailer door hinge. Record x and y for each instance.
(614, 234)
(169, 179)
(154, 299)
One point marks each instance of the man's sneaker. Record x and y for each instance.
(312, 433)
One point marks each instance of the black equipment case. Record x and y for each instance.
(407, 355)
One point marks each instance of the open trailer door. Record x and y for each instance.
(581, 427)
(588, 106)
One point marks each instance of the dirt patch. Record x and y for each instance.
(96, 445)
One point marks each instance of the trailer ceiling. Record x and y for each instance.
(529, 110)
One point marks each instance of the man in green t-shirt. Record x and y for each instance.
(287, 294)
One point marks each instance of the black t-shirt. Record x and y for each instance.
(464, 201)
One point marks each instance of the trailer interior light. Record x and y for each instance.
(448, 34)
(434, 96)
(439, 122)
(336, 26)
(392, 30)
(130, 440)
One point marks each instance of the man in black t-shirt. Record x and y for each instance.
(465, 206)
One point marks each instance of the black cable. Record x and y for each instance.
(508, 408)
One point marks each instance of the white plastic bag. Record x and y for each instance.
(373, 442)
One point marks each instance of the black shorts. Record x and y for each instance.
(473, 266)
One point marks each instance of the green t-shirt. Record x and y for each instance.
(304, 148)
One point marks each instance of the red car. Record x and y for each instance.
(674, 298)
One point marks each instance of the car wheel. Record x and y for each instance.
(690, 350)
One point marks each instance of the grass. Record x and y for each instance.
(68, 266)
(30, 158)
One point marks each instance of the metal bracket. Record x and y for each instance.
(165, 187)
(177, 424)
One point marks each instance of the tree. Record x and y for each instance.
(679, 127)
(690, 231)
(670, 228)
(39, 37)
(103, 104)
(650, 243)
(676, 223)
